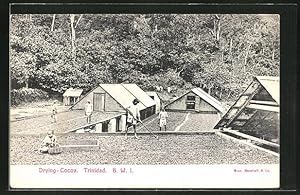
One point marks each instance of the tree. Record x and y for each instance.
(218, 52)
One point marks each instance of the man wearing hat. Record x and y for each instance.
(133, 116)
(88, 111)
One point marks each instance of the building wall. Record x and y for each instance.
(206, 107)
(179, 104)
(197, 102)
(200, 104)
(157, 101)
(110, 105)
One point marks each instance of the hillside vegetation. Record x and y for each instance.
(219, 53)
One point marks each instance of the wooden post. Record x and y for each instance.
(98, 128)
(122, 123)
(112, 125)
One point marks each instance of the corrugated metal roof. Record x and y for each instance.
(142, 96)
(271, 84)
(73, 92)
(208, 98)
(121, 95)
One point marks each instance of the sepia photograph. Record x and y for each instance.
(144, 96)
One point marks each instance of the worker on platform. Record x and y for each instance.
(54, 111)
(88, 111)
(133, 116)
(163, 115)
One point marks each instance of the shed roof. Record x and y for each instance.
(73, 92)
(142, 96)
(208, 98)
(271, 84)
(205, 96)
(121, 95)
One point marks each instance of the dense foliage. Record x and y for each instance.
(220, 53)
(24, 95)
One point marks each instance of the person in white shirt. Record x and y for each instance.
(163, 115)
(88, 111)
(48, 142)
(54, 112)
(133, 116)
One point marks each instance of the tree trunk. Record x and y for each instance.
(26, 82)
(217, 27)
(78, 20)
(228, 96)
(222, 56)
(221, 92)
(246, 56)
(72, 16)
(230, 47)
(180, 71)
(209, 90)
(218, 30)
(52, 25)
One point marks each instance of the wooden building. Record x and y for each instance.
(71, 96)
(195, 100)
(256, 111)
(116, 98)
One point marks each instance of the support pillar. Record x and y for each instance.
(98, 128)
(112, 125)
(122, 123)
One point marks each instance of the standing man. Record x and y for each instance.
(133, 116)
(88, 111)
(163, 115)
(54, 111)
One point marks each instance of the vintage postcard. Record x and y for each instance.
(144, 101)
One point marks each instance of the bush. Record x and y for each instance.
(25, 95)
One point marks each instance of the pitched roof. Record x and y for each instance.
(205, 96)
(124, 94)
(73, 92)
(121, 95)
(208, 98)
(271, 84)
(142, 96)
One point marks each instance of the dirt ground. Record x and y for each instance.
(166, 150)
(65, 122)
(34, 109)
(195, 122)
(26, 136)
(200, 122)
(174, 119)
